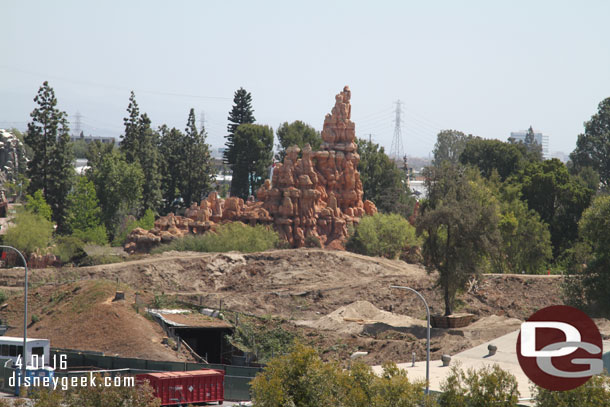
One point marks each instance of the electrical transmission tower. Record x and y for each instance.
(202, 121)
(397, 150)
(77, 124)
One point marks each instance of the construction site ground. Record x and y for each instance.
(338, 301)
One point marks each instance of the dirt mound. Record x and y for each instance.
(353, 318)
(301, 285)
(83, 315)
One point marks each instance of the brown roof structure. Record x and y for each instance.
(194, 320)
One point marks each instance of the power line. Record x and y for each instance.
(107, 86)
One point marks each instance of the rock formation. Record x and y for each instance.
(314, 197)
(12, 156)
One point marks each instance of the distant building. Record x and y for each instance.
(541, 139)
(560, 155)
(89, 139)
(218, 152)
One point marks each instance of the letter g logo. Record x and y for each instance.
(555, 343)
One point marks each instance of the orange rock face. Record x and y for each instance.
(316, 196)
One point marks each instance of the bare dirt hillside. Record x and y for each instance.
(83, 315)
(305, 287)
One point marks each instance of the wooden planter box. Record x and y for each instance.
(451, 321)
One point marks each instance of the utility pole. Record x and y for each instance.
(397, 149)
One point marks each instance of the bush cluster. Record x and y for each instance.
(234, 236)
(384, 235)
(301, 378)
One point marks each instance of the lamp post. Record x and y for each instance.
(25, 311)
(427, 333)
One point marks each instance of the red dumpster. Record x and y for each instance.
(196, 386)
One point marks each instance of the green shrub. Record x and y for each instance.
(147, 222)
(69, 249)
(302, 379)
(37, 204)
(3, 296)
(595, 392)
(489, 386)
(35, 318)
(312, 241)
(261, 339)
(31, 232)
(99, 259)
(95, 235)
(231, 236)
(384, 235)
(164, 301)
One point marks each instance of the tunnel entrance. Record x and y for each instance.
(209, 343)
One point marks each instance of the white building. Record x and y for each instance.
(541, 139)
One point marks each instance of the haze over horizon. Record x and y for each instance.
(485, 68)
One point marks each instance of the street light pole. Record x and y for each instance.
(25, 311)
(427, 333)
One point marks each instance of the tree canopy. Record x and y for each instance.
(590, 260)
(118, 185)
(449, 146)
(459, 223)
(253, 158)
(490, 155)
(382, 181)
(558, 197)
(296, 133)
(84, 212)
(140, 144)
(36, 204)
(526, 240)
(241, 113)
(530, 143)
(197, 176)
(171, 148)
(50, 168)
(593, 146)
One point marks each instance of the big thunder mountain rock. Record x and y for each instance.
(312, 195)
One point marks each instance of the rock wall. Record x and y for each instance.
(312, 196)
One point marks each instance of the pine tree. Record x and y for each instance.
(62, 177)
(241, 113)
(530, 137)
(50, 168)
(129, 143)
(198, 168)
(140, 144)
(41, 137)
(532, 145)
(148, 157)
(171, 149)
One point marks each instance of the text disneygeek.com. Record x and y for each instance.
(65, 383)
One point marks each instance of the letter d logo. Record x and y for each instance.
(559, 348)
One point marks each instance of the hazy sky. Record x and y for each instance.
(483, 67)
